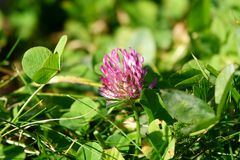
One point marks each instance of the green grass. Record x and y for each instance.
(50, 106)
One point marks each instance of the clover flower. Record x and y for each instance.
(122, 74)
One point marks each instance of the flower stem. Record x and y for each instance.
(136, 115)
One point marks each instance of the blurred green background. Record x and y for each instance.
(165, 32)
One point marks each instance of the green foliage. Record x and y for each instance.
(147, 10)
(3, 111)
(90, 151)
(189, 106)
(119, 141)
(45, 66)
(80, 114)
(112, 153)
(60, 47)
(73, 121)
(151, 102)
(159, 136)
(200, 15)
(171, 11)
(12, 152)
(223, 86)
(188, 109)
(40, 64)
(142, 40)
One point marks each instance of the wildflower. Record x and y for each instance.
(122, 74)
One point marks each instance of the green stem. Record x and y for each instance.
(113, 124)
(26, 103)
(99, 138)
(12, 49)
(236, 95)
(136, 115)
(21, 110)
(74, 80)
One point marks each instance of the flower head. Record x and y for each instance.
(122, 74)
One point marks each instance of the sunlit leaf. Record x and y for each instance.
(190, 80)
(74, 121)
(112, 153)
(223, 86)
(188, 108)
(160, 136)
(40, 64)
(85, 106)
(155, 135)
(169, 152)
(119, 141)
(60, 47)
(90, 151)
